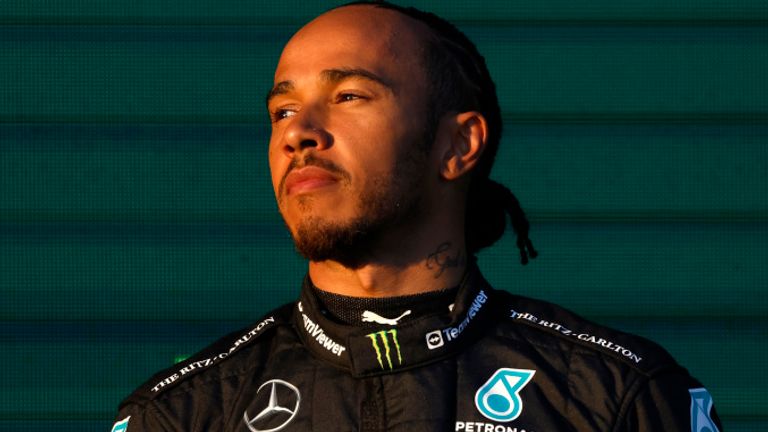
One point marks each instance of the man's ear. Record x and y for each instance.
(467, 138)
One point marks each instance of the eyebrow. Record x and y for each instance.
(330, 76)
(282, 87)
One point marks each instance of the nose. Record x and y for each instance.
(306, 130)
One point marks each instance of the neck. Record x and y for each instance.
(408, 269)
(425, 253)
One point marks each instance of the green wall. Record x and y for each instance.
(137, 222)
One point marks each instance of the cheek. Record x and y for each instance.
(275, 168)
(372, 140)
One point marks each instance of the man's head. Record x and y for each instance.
(379, 115)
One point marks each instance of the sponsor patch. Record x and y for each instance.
(586, 337)
(435, 339)
(370, 316)
(386, 345)
(499, 398)
(486, 427)
(122, 425)
(450, 333)
(281, 407)
(318, 334)
(210, 361)
(701, 411)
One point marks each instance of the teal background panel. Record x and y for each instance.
(138, 224)
(157, 73)
(298, 12)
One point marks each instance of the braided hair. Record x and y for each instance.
(460, 81)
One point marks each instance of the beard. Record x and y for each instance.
(388, 202)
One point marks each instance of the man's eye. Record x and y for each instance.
(347, 97)
(282, 113)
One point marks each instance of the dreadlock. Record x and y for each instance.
(460, 81)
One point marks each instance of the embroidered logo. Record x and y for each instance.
(386, 348)
(499, 398)
(435, 339)
(452, 333)
(369, 316)
(318, 334)
(701, 407)
(279, 410)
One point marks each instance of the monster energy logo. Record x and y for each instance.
(383, 336)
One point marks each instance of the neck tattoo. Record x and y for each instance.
(441, 259)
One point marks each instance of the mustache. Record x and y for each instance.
(311, 160)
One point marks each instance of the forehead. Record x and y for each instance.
(383, 41)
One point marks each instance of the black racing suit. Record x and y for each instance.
(495, 362)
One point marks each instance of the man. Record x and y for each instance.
(385, 127)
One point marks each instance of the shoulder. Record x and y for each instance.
(226, 356)
(542, 323)
(635, 381)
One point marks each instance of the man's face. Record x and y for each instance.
(347, 151)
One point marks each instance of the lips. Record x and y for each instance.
(308, 179)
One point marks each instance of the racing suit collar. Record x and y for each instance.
(386, 349)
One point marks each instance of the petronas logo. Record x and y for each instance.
(499, 398)
(386, 345)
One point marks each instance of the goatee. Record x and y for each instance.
(388, 202)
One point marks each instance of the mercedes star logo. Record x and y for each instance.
(273, 410)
